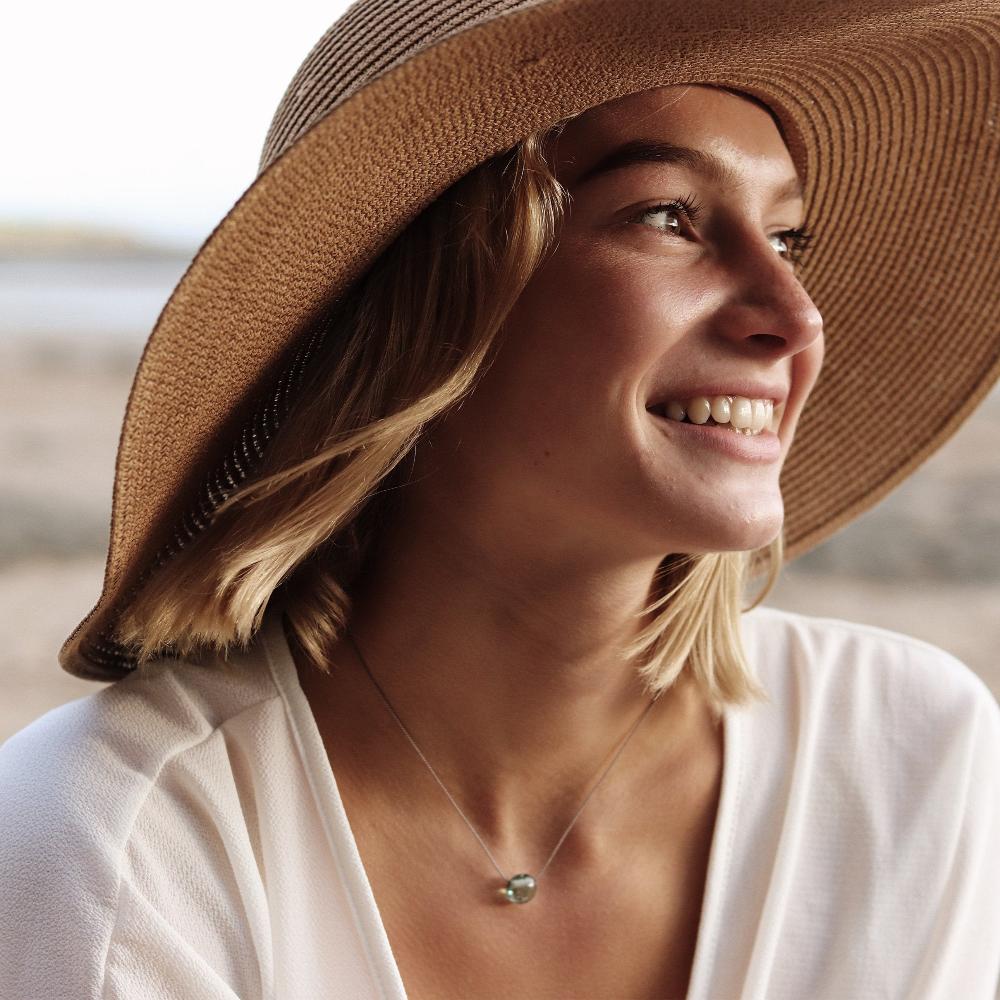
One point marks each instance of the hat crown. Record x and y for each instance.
(371, 38)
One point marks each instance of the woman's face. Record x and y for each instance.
(643, 305)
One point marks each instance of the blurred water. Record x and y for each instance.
(119, 297)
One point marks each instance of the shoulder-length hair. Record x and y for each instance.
(406, 343)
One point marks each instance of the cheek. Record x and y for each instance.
(602, 317)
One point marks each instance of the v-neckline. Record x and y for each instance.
(344, 848)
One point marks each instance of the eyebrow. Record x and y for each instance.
(639, 151)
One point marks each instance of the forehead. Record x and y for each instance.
(722, 128)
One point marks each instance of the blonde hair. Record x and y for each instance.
(403, 346)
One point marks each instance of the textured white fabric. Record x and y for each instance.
(179, 835)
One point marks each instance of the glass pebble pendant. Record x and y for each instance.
(521, 888)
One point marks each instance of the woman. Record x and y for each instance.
(468, 423)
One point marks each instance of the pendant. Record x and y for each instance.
(520, 888)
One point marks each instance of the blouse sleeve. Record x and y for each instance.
(113, 878)
(147, 958)
(961, 953)
(58, 872)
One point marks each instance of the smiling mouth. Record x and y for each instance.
(761, 447)
(752, 418)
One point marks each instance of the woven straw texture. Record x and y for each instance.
(892, 117)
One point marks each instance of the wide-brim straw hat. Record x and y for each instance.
(891, 112)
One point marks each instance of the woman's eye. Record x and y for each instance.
(794, 243)
(783, 246)
(673, 212)
(662, 211)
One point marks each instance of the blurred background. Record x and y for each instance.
(130, 133)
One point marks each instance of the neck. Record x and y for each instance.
(508, 673)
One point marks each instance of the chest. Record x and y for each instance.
(597, 943)
(622, 924)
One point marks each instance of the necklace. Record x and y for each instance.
(519, 888)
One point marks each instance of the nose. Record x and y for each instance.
(771, 313)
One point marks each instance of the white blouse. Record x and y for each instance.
(179, 834)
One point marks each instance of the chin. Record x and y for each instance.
(733, 530)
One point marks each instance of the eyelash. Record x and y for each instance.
(798, 240)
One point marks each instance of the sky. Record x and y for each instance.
(143, 117)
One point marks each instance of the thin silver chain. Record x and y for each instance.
(406, 733)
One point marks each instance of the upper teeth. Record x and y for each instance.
(746, 416)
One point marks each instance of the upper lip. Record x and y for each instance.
(733, 387)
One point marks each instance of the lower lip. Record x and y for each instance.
(764, 447)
